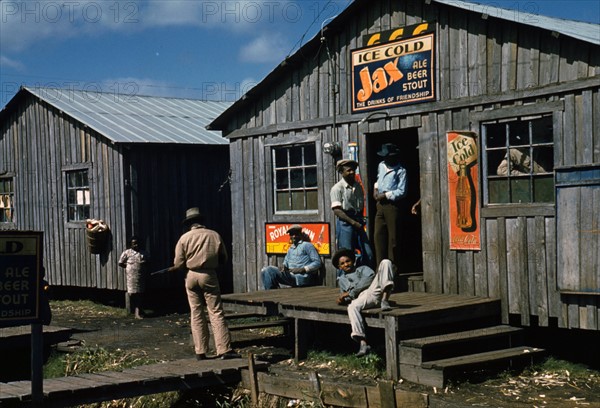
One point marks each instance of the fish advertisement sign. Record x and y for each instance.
(392, 74)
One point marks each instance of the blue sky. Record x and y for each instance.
(192, 49)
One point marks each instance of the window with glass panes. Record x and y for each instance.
(295, 178)
(78, 195)
(7, 196)
(519, 161)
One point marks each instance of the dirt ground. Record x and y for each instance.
(167, 337)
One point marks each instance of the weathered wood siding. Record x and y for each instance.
(139, 189)
(38, 144)
(486, 70)
(162, 183)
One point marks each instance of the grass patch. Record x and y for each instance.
(93, 360)
(371, 365)
(86, 308)
(570, 369)
(96, 360)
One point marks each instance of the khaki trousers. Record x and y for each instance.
(370, 298)
(204, 296)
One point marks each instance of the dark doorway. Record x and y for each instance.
(408, 141)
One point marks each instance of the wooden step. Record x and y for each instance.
(486, 357)
(436, 373)
(232, 315)
(467, 335)
(419, 350)
(262, 324)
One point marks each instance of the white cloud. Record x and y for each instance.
(170, 13)
(265, 48)
(23, 23)
(10, 63)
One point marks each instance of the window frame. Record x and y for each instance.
(480, 117)
(66, 172)
(10, 177)
(289, 167)
(528, 144)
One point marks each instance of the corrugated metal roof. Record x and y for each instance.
(576, 29)
(139, 119)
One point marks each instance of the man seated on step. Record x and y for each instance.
(300, 265)
(377, 294)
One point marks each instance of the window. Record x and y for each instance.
(7, 196)
(78, 195)
(519, 158)
(295, 178)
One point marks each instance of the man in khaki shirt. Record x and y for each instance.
(201, 251)
(347, 202)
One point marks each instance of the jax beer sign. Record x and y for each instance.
(392, 74)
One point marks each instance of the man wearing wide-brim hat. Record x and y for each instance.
(300, 265)
(347, 202)
(389, 193)
(201, 251)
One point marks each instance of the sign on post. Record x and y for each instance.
(20, 280)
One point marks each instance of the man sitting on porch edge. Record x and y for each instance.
(300, 265)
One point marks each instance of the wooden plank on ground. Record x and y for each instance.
(386, 394)
(281, 387)
(56, 388)
(411, 399)
(96, 378)
(119, 377)
(17, 390)
(343, 395)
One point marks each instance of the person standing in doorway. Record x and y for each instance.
(134, 260)
(347, 203)
(201, 251)
(389, 193)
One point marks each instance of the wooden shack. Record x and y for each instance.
(451, 83)
(135, 162)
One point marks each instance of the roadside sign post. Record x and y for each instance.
(20, 288)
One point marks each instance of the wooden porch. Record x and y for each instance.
(414, 314)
